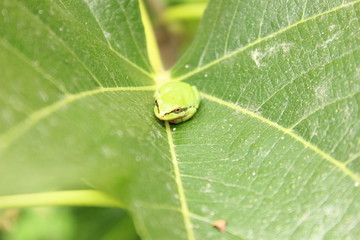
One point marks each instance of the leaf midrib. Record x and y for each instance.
(182, 198)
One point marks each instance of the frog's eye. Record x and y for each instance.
(177, 110)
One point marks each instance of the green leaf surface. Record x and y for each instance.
(273, 149)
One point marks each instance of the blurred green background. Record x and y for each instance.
(175, 23)
(64, 223)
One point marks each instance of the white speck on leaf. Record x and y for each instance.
(204, 209)
(131, 132)
(43, 96)
(107, 35)
(256, 56)
(108, 152)
(7, 115)
(36, 63)
(138, 158)
(331, 39)
(356, 184)
(254, 173)
(61, 29)
(207, 188)
(331, 210)
(187, 66)
(41, 11)
(285, 47)
(119, 133)
(321, 91)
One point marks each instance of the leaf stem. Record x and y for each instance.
(61, 198)
(152, 46)
(186, 11)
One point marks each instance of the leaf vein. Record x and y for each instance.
(224, 184)
(352, 158)
(230, 27)
(132, 33)
(112, 49)
(18, 130)
(62, 42)
(289, 132)
(303, 73)
(262, 18)
(353, 94)
(260, 40)
(36, 68)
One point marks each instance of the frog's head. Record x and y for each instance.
(169, 112)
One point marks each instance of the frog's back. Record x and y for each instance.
(176, 91)
(175, 87)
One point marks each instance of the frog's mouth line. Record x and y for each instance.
(159, 115)
(173, 118)
(174, 111)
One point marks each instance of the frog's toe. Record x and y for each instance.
(176, 121)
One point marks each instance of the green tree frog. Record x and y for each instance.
(176, 102)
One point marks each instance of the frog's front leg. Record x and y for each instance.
(191, 111)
